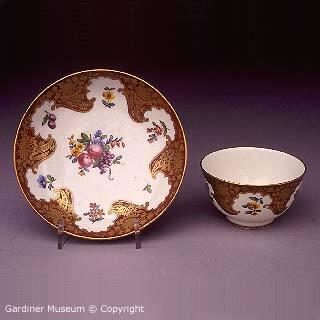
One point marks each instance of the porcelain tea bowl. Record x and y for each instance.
(252, 186)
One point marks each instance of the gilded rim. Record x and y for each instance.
(253, 185)
(174, 112)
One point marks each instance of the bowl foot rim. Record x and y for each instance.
(254, 226)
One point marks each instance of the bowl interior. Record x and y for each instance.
(253, 166)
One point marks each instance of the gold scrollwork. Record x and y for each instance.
(71, 92)
(225, 193)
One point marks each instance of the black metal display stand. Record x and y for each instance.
(63, 237)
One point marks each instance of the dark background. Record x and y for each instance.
(159, 35)
(238, 73)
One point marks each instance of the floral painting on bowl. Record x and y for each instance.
(247, 195)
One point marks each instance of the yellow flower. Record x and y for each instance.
(108, 95)
(253, 205)
(77, 149)
(72, 141)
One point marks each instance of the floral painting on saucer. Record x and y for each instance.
(99, 149)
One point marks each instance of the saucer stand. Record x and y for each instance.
(63, 237)
(137, 233)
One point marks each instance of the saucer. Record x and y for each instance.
(99, 149)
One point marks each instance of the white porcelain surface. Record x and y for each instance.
(252, 186)
(100, 149)
(253, 166)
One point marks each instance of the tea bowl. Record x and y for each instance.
(252, 186)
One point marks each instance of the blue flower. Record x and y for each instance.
(96, 140)
(98, 133)
(42, 181)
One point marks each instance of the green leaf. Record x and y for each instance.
(84, 137)
(106, 148)
(163, 124)
(104, 136)
(118, 157)
(165, 129)
(50, 178)
(147, 188)
(45, 119)
(80, 140)
(96, 163)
